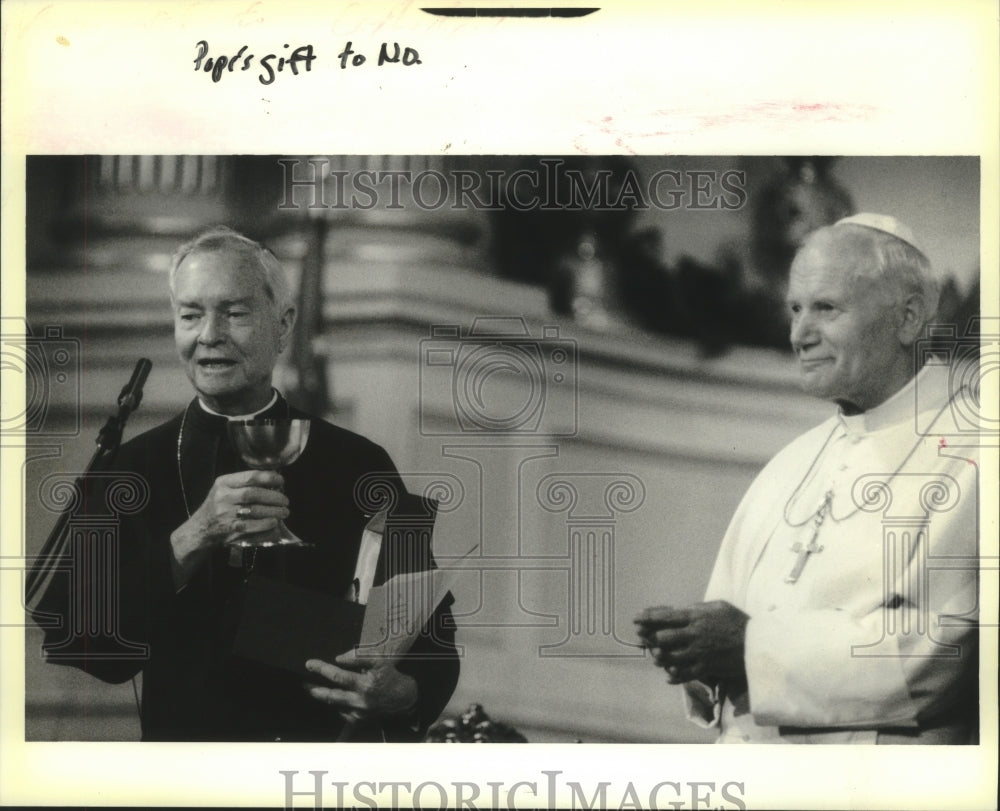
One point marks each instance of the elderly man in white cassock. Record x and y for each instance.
(843, 603)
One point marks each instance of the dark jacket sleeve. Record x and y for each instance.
(433, 660)
(96, 608)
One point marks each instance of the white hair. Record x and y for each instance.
(222, 238)
(899, 268)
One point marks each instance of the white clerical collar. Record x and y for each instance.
(930, 383)
(273, 400)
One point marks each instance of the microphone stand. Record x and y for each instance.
(108, 440)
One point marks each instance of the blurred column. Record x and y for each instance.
(372, 217)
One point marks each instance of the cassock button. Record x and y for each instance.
(746, 739)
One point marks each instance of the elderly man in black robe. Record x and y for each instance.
(181, 590)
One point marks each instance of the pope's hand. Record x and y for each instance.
(363, 689)
(704, 641)
(238, 505)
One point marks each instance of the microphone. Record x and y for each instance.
(110, 435)
(131, 393)
(108, 440)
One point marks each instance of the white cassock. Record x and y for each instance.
(876, 640)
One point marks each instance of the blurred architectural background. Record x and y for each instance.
(583, 358)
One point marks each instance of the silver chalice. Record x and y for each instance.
(269, 445)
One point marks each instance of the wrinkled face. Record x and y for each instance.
(227, 331)
(845, 332)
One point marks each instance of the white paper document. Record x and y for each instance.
(398, 610)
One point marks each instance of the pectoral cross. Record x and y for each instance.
(805, 551)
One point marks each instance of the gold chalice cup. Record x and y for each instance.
(269, 445)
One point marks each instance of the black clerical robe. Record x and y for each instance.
(193, 686)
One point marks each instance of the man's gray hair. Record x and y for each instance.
(899, 266)
(223, 238)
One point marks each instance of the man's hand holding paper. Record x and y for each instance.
(364, 683)
(363, 690)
